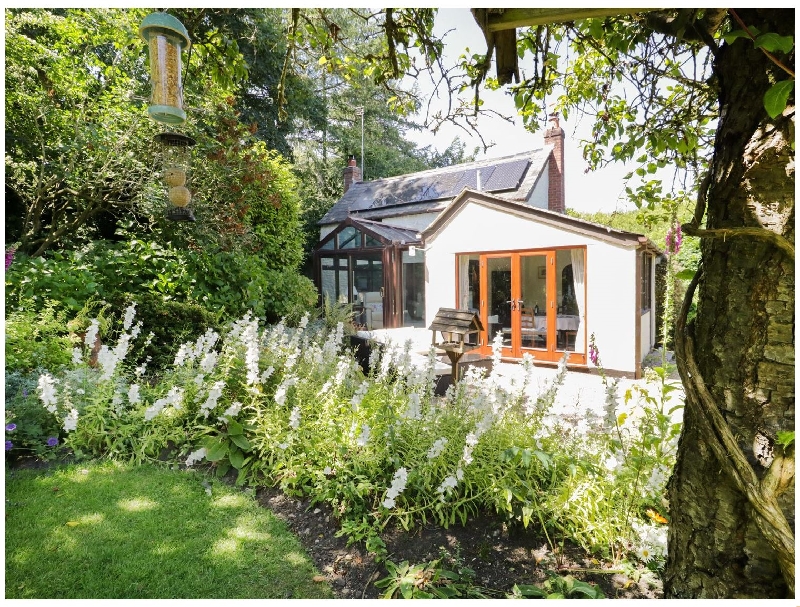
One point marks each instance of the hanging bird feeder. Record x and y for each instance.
(166, 37)
(175, 163)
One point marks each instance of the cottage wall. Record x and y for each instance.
(611, 312)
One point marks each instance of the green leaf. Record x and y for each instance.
(685, 274)
(777, 96)
(241, 442)
(731, 37)
(216, 450)
(774, 43)
(784, 439)
(237, 458)
(234, 427)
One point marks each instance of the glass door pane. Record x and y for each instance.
(414, 289)
(533, 307)
(499, 299)
(368, 289)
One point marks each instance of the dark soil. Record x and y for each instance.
(499, 556)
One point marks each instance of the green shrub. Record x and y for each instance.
(37, 339)
(171, 323)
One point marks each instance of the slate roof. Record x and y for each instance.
(512, 177)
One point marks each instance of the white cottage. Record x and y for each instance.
(492, 237)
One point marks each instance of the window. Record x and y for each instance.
(646, 282)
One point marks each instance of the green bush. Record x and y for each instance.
(171, 323)
(224, 283)
(37, 339)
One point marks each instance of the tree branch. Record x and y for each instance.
(760, 233)
(761, 495)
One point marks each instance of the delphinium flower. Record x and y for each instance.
(413, 411)
(209, 361)
(250, 340)
(133, 394)
(657, 480)
(9, 260)
(398, 484)
(173, 397)
(280, 393)
(446, 486)
(294, 418)
(267, 373)
(47, 391)
(359, 394)
(610, 406)
(52, 441)
(231, 411)
(497, 352)
(437, 447)
(91, 333)
(213, 396)
(130, 313)
(196, 456)
(71, 420)
(363, 438)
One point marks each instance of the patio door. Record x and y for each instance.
(519, 301)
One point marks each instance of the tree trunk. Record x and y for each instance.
(743, 334)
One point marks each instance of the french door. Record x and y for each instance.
(522, 295)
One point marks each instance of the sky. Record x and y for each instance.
(603, 190)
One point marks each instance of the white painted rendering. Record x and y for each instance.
(610, 272)
(539, 197)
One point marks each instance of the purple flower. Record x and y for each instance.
(9, 445)
(594, 354)
(52, 441)
(24, 393)
(10, 257)
(11, 427)
(674, 239)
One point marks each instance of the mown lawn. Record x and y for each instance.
(105, 530)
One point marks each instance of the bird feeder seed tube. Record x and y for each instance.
(166, 38)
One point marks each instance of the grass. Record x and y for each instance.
(105, 530)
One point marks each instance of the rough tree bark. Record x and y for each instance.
(743, 335)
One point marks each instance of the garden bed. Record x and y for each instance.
(499, 556)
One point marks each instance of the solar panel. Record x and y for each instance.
(506, 176)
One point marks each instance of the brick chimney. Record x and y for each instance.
(351, 174)
(554, 135)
